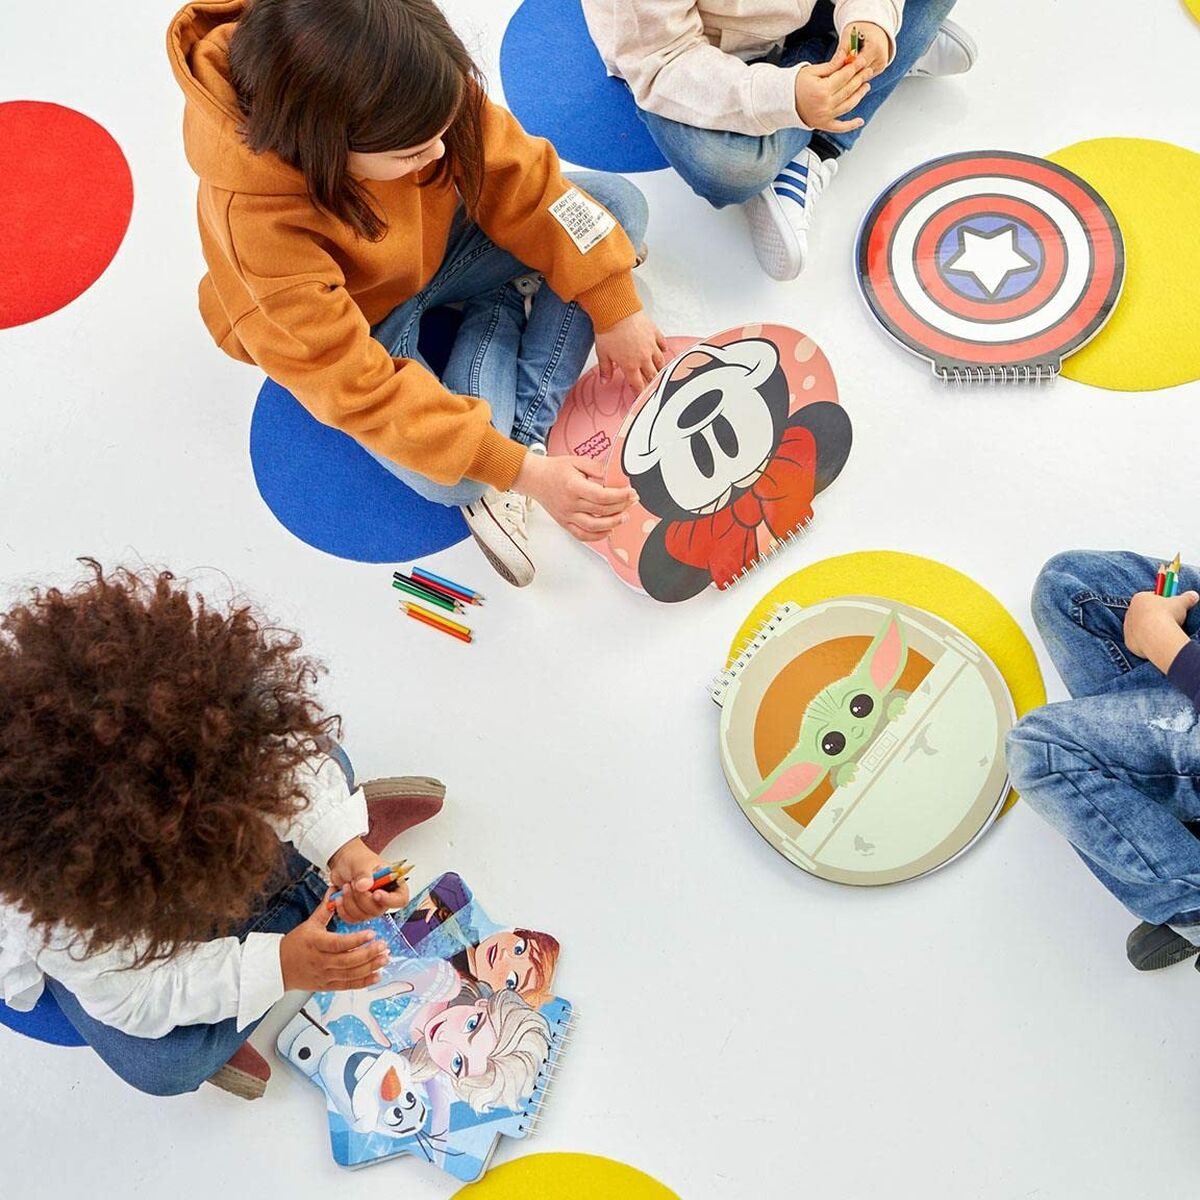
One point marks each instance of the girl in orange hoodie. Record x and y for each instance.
(354, 174)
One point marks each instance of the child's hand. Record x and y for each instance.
(315, 960)
(827, 91)
(875, 49)
(571, 492)
(634, 345)
(1154, 626)
(350, 869)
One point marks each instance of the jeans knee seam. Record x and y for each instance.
(539, 396)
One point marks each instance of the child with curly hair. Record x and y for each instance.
(171, 802)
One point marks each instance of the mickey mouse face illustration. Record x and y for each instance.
(710, 426)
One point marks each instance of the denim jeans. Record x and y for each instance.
(522, 366)
(1116, 769)
(180, 1061)
(729, 168)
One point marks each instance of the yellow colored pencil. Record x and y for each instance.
(439, 618)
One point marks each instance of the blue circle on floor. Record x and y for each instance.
(589, 116)
(326, 489)
(44, 1022)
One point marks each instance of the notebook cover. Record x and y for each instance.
(992, 265)
(453, 1048)
(864, 739)
(726, 449)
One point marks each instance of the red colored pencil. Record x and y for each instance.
(1161, 582)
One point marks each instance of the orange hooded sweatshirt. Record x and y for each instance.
(296, 290)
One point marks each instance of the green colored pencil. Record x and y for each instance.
(421, 594)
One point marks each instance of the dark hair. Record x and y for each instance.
(316, 79)
(148, 744)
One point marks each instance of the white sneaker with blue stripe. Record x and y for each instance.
(780, 214)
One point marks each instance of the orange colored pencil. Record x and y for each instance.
(437, 615)
(427, 618)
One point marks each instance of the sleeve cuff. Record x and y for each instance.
(1185, 672)
(338, 825)
(261, 979)
(773, 97)
(611, 300)
(497, 461)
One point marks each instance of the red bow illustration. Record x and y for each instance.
(725, 543)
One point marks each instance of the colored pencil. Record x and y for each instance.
(426, 589)
(1171, 586)
(385, 877)
(448, 585)
(433, 616)
(419, 614)
(855, 43)
(1160, 581)
(438, 590)
(429, 597)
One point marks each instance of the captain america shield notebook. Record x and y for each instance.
(992, 265)
(727, 449)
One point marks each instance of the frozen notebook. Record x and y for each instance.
(453, 1048)
(727, 450)
(994, 266)
(864, 739)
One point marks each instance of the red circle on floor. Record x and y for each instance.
(65, 199)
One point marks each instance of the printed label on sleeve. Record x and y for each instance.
(582, 218)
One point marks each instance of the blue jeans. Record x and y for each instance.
(522, 366)
(1116, 769)
(729, 168)
(180, 1061)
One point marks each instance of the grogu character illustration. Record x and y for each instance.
(841, 721)
(715, 453)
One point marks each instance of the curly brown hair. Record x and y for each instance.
(147, 741)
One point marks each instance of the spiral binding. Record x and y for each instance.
(721, 681)
(564, 1031)
(1035, 373)
(780, 544)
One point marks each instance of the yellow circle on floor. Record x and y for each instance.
(1193, 8)
(1151, 340)
(565, 1177)
(923, 583)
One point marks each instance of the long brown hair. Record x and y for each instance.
(317, 79)
(150, 743)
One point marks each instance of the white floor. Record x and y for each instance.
(746, 1031)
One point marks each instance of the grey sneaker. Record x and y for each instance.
(497, 521)
(952, 52)
(1152, 947)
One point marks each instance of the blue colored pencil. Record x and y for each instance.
(466, 593)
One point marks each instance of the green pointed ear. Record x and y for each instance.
(886, 656)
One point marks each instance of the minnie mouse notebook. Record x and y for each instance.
(864, 739)
(727, 450)
(454, 1047)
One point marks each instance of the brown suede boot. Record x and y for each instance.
(397, 804)
(245, 1074)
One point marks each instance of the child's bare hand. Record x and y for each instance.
(635, 346)
(572, 492)
(350, 871)
(1154, 626)
(827, 91)
(315, 960)
(875, 49)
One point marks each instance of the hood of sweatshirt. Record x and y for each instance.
(198, 46)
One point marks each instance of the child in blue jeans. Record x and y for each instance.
(1116, 768)
(173, 811)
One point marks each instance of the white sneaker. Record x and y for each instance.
(952, 52)
(497, 520)
(779, 215)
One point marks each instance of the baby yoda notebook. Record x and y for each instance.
(992, 265)
(727, 449)
(864, 739)
(454, 1047)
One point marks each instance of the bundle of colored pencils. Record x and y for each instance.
(1167, 583)
(386, 877)
(445, 595)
